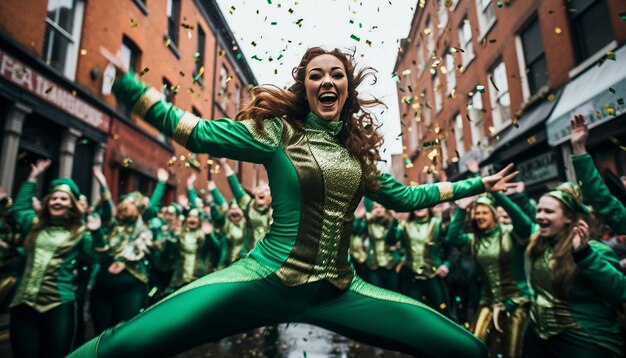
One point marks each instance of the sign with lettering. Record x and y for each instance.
(29, 79)
(538, 169)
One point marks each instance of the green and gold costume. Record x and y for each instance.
(299, 272)
(258, 219)
(499, 253)
(383, 256)
(234, 234)
(43, 315)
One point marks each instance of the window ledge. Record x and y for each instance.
(592, 59)
(172, 46)
(141, 6)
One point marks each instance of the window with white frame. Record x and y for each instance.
(534, 59)
(173, 20)
(591, 26)
(442, 12)
(444, 153)
(430, 37)
(224, 85)
(465, 41)
(486, 14)
(168, 91)
(450, 72)
(130, 54)
(499, 97)
(458, 134)
(237, 97)
(476, 117)
(200, 52)
(63, 27)
(437, 93)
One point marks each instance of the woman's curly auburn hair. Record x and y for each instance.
(358, 134)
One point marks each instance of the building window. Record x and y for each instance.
(458, 134)
(200, 52)
(63, 27)
(421, 63)
(173, 20)
(430, 34)
(476, 118)
(450, 73)
(499, 96)
(237, 97)
(426, 109)
(224, 86)
(465, 41)
(591, 26)
(437, 93)
(534, 56)
(444, 153)
(486, 15)
(130, 54)
(443, 15)
(412, 135)
(168, 91)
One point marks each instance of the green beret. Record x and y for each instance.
(66, 185)
(135, 196)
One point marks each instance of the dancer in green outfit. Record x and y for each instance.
(43, 311)
(577, 285)
(383, 256)
(233, 228)
(257, 209)
(424, 269)
(499, 253)
(316, 143)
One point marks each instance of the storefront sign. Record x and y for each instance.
(29, 79)
(538, 169)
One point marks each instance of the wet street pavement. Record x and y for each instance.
(288, 341)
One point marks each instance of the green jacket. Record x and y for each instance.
(499, 253)
(316, 184)
(48, 279)
(590, 311)
(257, 219)
(597, 194)
(422, 243)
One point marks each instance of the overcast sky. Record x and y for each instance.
(274, 34)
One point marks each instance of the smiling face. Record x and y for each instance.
(551, 217)
(59, 204)
(326, 86)
(235, 213)
(262, 196)
(484, 217)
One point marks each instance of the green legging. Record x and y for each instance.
(247, 295)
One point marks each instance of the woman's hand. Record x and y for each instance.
(163, 175)
(97, 173)
(116, 60)
(442, 271)
(93, 222)
(116, 267)
(465, 203)
(191, 180)
(580, 133)
(581, 236)
(38, 168)
(501, 180)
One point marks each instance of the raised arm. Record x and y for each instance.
(191, 192)
(240, 195)
(22, 209)
(220, 137)
(595, 191)
(105, 205)
(456, 236)
(522, 224)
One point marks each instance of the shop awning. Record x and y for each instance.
(596, 94)
(535, 116)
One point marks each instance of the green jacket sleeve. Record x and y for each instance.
(523, 201)
(393, 195)
(22, 209)
(456, 236)
(104, 207)
(155, 202)
(599, 264)
(597, 194)
(93, 245)
(220, 138)
(193, 197)
(522, 224)
(242, 197)
(219, 200)
(368, 204)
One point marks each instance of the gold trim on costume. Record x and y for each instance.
(446, 192)
(102, 249)
(105, 196)
(146, 101)
(185, 126)
(64, 188)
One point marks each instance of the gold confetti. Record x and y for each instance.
(232, 10)
(83, 52)
(558, 30)
(144, 71)
(229, 78)
(49, 89)
(532, 140)
(133, 23)
(127, 162)
(406, 72)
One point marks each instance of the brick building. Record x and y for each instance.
(52, 80)
(498, 81)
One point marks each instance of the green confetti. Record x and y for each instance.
(622, 16)
(279, 57)
(269, 2)
(610, 56)
(239, 56)
(352, 21)
(197, 54)
(273, 23)
(620, 101)
(499, 4)
(480, 88)
(355, 37)
(152, 291)
(612, 90)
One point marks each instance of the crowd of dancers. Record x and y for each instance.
(526, 278)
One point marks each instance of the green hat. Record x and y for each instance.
(135, 197)
(573, 189)
(175, 208)
(66, 185)
(489, 202)
(570, 201)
